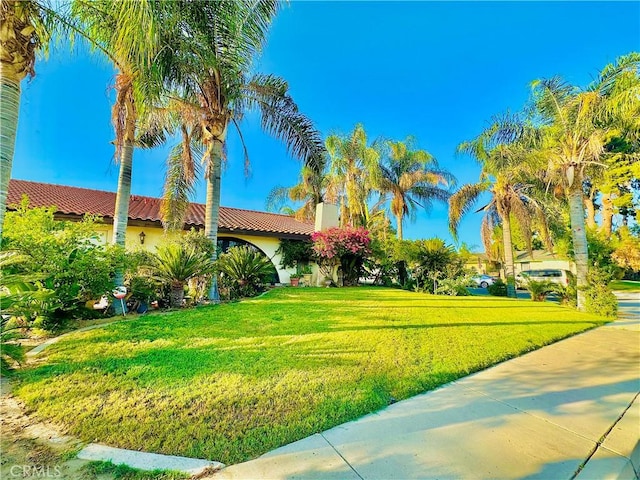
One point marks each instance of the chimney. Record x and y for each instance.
(326, 216)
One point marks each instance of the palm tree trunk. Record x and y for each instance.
(509, 267)
(212, 208)
(579, 235)
(607, 214)
(399, 222)
(9, 109)
(123, 195)
(176, 296)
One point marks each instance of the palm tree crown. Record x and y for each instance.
(412, 179)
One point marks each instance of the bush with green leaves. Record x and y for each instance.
(432, 262)
(174, 264)
(243, 271)
(598, 296)
(294, 252)
(65, 256)
(455, 287)
(498, 288)
(539, 289)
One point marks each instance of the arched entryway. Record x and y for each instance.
(225, 243)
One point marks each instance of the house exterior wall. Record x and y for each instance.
(154, 237)
(545, 264)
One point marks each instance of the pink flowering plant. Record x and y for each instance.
(346, 247)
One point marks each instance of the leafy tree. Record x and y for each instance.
(412, 179)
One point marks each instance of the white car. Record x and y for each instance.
(483, 281)
(561, 277)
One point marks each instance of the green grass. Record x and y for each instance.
(625, 286)
(230, 382)
(122, 472)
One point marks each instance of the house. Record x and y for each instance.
(523, 261)
(541, 260)
(236, 226)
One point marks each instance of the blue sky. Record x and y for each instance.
(435, 70)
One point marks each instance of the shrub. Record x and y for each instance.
(454, 286)
(345, 247)
(295, 252)
(540, 290)
(498, 288)
(433, 261)
(243, 271)
(66, 258)
(174, 264)
(598, 296)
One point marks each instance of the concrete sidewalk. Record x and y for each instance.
(568, 409)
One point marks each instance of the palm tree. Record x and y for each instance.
(412, 179)
(354, 167)
(576, 127)
(213, 46)
(312, 189)
(26, 29)
(126, 31)
(506, 176)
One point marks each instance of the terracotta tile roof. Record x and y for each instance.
(78, 201)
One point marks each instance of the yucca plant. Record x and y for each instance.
(175, 265)
(244, 269)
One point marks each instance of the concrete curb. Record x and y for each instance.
(40, 348)
(148, 461)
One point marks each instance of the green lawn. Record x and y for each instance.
(230, 382)
(625, 286)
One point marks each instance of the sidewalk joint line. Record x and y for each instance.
(603, 438)
(340, 455)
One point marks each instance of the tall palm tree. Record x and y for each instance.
(213, 45)
(126, 31)
(507, 177)
(576, 127)
(26, 29)
(412, 179)
(354, 167)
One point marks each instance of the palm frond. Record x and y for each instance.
(461, 203)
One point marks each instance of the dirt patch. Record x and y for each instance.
(31, 449)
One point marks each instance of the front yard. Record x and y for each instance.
(233, 381)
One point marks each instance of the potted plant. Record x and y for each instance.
(306, 274)
(295, 279)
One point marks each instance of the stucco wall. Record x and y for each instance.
(155, 236)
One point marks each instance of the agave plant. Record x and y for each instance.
(244, 269)
(176, 264)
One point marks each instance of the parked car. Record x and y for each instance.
(561, 277)
(483, 280)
